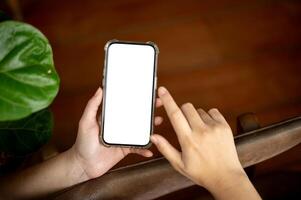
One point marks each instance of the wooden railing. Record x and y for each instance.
(155, 178)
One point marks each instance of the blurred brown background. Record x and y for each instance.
(239, 56)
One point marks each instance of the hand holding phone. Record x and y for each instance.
(91, 156)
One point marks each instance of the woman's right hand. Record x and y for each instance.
(208, 156)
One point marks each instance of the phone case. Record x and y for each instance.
(104, 90)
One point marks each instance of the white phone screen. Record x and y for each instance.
(129, 92)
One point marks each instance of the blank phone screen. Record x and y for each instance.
(129, 92)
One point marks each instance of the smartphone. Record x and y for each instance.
(129, 93)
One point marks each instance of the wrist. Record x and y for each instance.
(223, 178)
(76, 172)
(229, 181)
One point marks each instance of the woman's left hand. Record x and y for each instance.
(94, 158)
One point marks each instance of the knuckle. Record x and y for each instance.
(187, 138)
(186, 168)
(215, 127)
(190, 142)
(176, 113)
(213, 110)
(186, 105)
(200, 109)
(226, 127)
(200, 128)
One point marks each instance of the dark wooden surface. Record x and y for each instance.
(238, 56)
(156, 178)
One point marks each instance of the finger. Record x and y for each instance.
(159, 103)
(158, 120)
(204, 116)
(174, 113)
(192, 115)
(168, 151)
(142, 152)
(91, 109)
(217, 116)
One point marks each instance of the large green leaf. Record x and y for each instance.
(27, 135)
(28, 80)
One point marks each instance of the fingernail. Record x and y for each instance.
(154, 139)
(98, 91)
(150, 154)
(162, 91)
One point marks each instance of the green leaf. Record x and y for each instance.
(27, 135)
(28, 80)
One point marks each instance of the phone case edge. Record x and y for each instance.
(101, 136)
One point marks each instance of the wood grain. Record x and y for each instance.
(238, 56)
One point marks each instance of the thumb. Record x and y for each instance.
(90, 112)
(168, 151)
